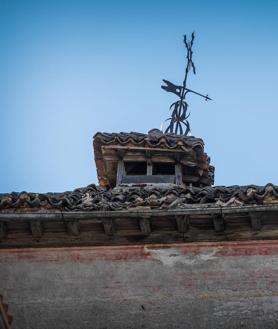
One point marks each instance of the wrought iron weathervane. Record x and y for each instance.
(180, 108)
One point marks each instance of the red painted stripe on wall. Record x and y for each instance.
(136, 252)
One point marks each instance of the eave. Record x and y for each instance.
(193, 224)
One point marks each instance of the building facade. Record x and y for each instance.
(155, 245)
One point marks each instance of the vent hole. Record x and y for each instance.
(136, 168)
(163, 169)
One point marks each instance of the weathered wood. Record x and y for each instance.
(149, 167)
(143, 149)
(163, 229)
(109, 226)
(36, 228)
(156, 237)
(255, 221)
(3, 230)
(73, 228)
(141, 157)
(218, 223)
(182, 223)
(141, 179)
(120, 171)
(156, 154)
(145, 226)
(178, 174)
(190, 178)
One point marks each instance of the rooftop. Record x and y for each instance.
(140, 215)
(95, 198)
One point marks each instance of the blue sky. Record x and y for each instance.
(72, 68)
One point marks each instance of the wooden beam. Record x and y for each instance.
(182, 223)
(178, 174)
(36, 228)
(143, 149)
(109, 226)
(73, 228)
(141, 179)
(120, 172)
(149, 167)
(218, 223)
(255, 221)
(145, 225)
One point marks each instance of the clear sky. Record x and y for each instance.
(72, 68)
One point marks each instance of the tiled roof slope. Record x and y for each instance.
(94, 198)
(153, 139)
